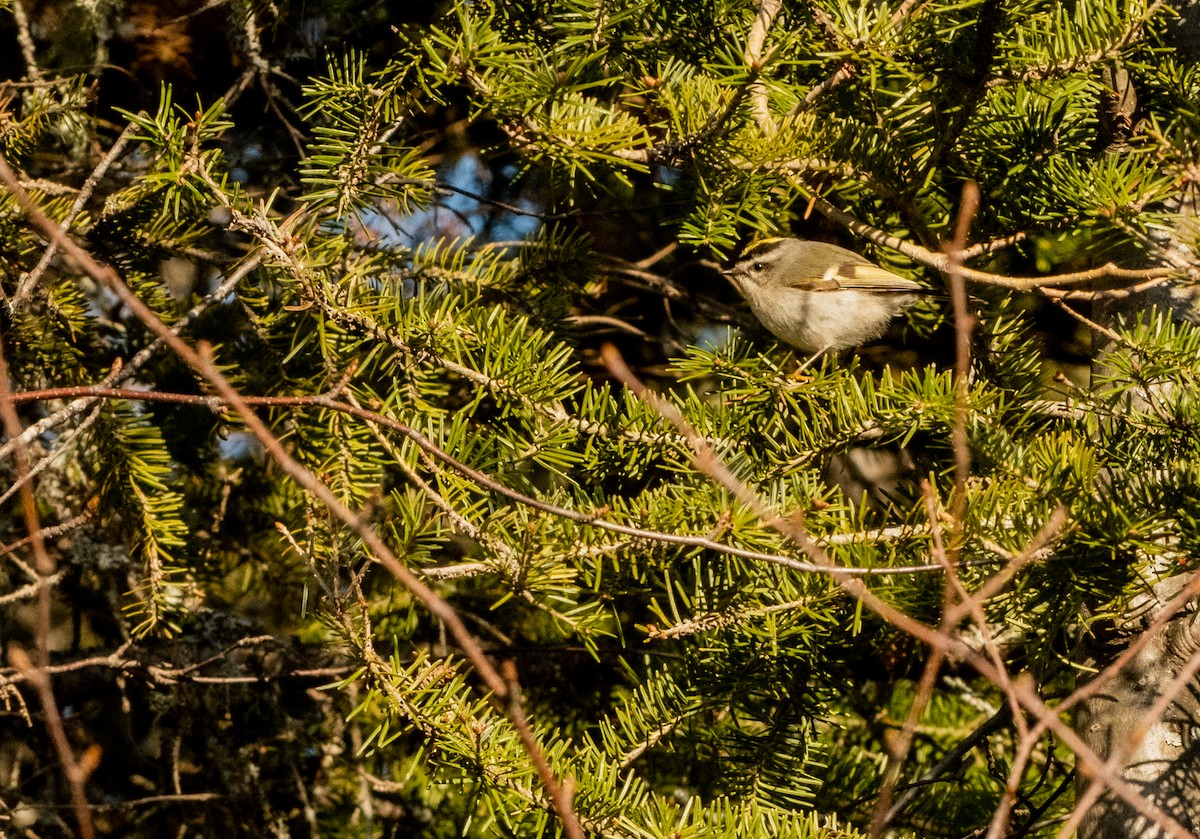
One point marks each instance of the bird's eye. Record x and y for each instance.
(758, 266)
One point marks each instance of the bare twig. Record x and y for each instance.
(1169, 610)
(985, 248)
(164, 674)
(1091, 324)
(1026, 745)
(941, 262)
(52, 532)
(964, 323)
(898, 750)
(29, 281)
(58, 451)
(946, 554)
(755, 60)
(1108, 293)
(25, 39)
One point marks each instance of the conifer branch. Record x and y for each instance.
(1113, 48)
(500, 687)
(124, 372)
(29, 281)
(594, 519)
(449, 392)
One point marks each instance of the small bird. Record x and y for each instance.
(819, 297)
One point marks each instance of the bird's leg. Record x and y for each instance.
(814, 357)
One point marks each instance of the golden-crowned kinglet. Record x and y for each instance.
(817, 296)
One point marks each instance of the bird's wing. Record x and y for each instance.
(866, 276)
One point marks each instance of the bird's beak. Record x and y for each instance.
(732, 275)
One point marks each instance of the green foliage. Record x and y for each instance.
(183, 150)
(135, 483)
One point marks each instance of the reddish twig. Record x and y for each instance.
(946, 554)
(75, 772)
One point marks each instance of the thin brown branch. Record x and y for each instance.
(898, 750)
(75, 771)
(1091, 324)
(755, 60)
(900, 745)
(149, 800)
(29, 590)
(941, 261)
(964, 323)
(952, 615)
